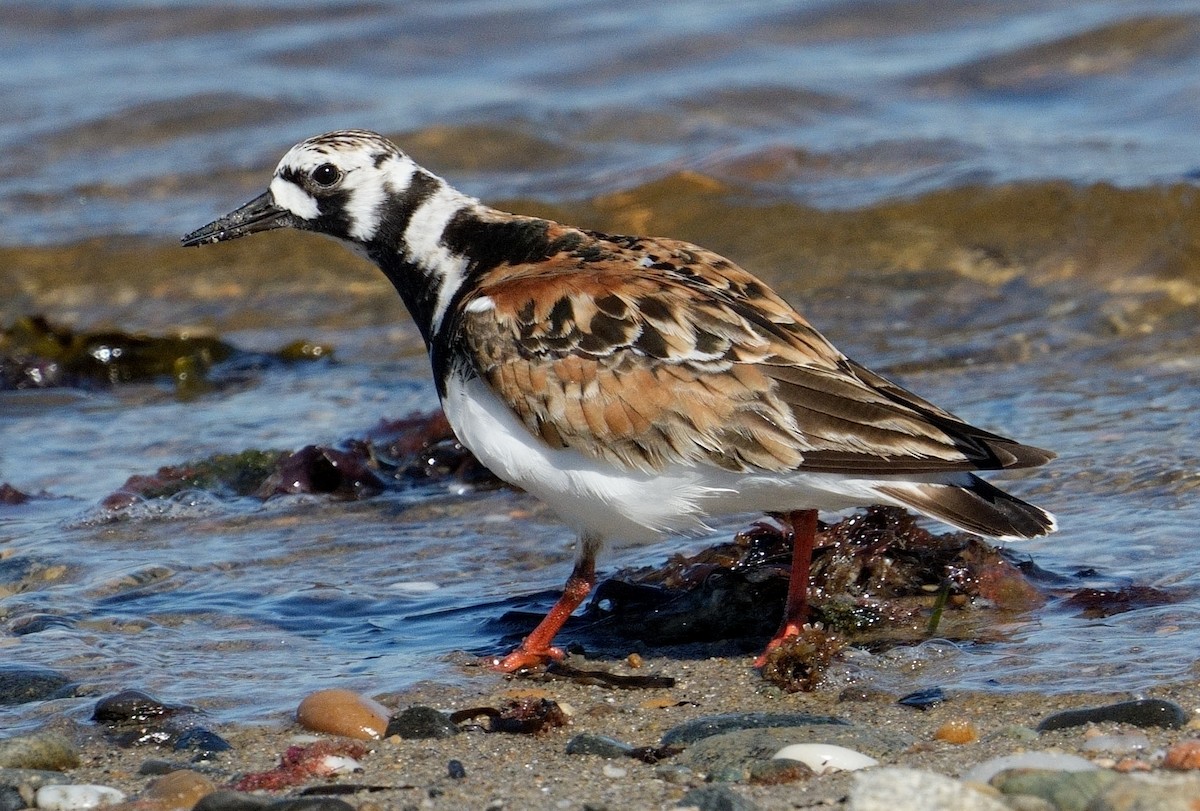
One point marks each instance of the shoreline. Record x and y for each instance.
(511, 771)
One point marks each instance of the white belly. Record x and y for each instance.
(609, 503)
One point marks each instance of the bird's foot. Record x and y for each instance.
(526, 659)
(790, 630)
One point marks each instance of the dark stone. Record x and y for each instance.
(20, 684)
(201, 739)
(456, 770)
(132, 706)
(155, 767)
(585, 743)
(225, 800)
(420, 722)
(11, 799)
(699, 728)
(1149, 712)
(923, 699)
(310, 804)
(716, 798)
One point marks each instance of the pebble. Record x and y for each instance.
(456, 770)
(716, 798)
(226, 800)
(41, 750)
(586, 743)
(20, 684)
(76, 797)
(823, 758)
(614, 771)
(420, 722)
(1044, 760)
(957, 731)
(1066, 790)
(343, 712)
(178, 789)
(893, 789)
(1183, 756)
(1117, 743)
(133, 705)
(1149, 712)
(709, 725)
(923, 699)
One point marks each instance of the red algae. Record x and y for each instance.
(298, 764)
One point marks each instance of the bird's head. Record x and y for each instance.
(334, 184)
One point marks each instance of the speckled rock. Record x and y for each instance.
(890, 789)
(343, 712)
(1150, 712)
(421, 722)
(1183, 756)
(41, 750)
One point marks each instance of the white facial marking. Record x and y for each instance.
(288, 195)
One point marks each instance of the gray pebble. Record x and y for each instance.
(1150, 712)
(420, 722)
(585, 743)
(715, 798)
(700, 728)
(456, 770)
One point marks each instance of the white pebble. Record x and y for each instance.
(1057, 761)
(826, 757)
(74, 798)
(614, 771)
(1120, 744)
(340, 764)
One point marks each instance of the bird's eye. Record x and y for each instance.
(326, 174)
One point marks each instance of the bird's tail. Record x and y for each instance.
(973, 505)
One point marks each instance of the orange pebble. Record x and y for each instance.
(178, 789)
(343, 712)
(1183, 756)
(957, 731)
(634, 661)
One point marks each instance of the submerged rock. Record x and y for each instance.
(709, 725)
(20, 684)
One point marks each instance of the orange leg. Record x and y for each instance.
(795, 612)
(535, 650)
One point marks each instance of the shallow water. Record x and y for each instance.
(991, 201)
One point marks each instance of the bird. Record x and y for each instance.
(638, 386)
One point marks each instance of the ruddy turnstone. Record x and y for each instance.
(637, 385)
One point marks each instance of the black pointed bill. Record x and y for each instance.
(260, 214)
